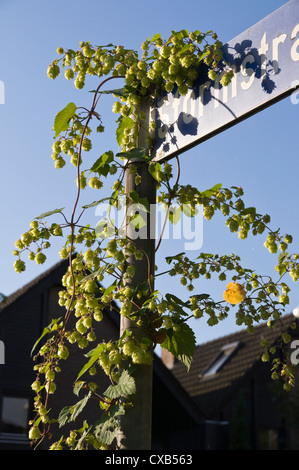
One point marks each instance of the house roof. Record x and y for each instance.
(246, 356)
(56, 268)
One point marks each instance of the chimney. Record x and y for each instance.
(168, 358)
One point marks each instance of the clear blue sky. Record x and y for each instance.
(260, 154)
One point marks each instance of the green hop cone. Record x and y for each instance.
(26, 238)
(274, 376)
(19, 266)
(212, 74)
(286, 338)
(95, 183)
(90, 286)
(63, 352)
(34, 433)
(88, 51)
(265, 357)
(36, 386)
(50, 387)
(69, 74)
(40, 258)
(50, 375)
(53, 71)
(165, 51)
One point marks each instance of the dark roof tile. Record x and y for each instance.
(23, 290)
(245, 357)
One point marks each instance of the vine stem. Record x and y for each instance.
(168, 205)
(72, 222)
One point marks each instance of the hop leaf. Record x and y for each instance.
(181, 344)
(61, 122)
(126, 386)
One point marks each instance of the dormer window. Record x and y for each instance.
(222, 357)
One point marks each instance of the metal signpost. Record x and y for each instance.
(265, 59)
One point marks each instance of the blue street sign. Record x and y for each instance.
(265, 59)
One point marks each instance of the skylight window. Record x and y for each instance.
(222, 357)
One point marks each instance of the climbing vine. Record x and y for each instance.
(104, 251)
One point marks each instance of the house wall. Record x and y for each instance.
(21, 324)
(19, 336)
(258, 410)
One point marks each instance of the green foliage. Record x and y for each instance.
(101, 259)
(181, 343)
(124, 387)
(62, 119)
(47, 214)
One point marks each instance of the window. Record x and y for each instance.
(14, 416)
(222, 357)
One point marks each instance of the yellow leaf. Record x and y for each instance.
(234, 293)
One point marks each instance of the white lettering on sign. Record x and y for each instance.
(246, 70)
(162, 131)
(276, 41)
(189, 107)
(263, 54)
(265, 67)
(202, 89)
(294, 52)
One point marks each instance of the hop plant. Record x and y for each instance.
(97, 253)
